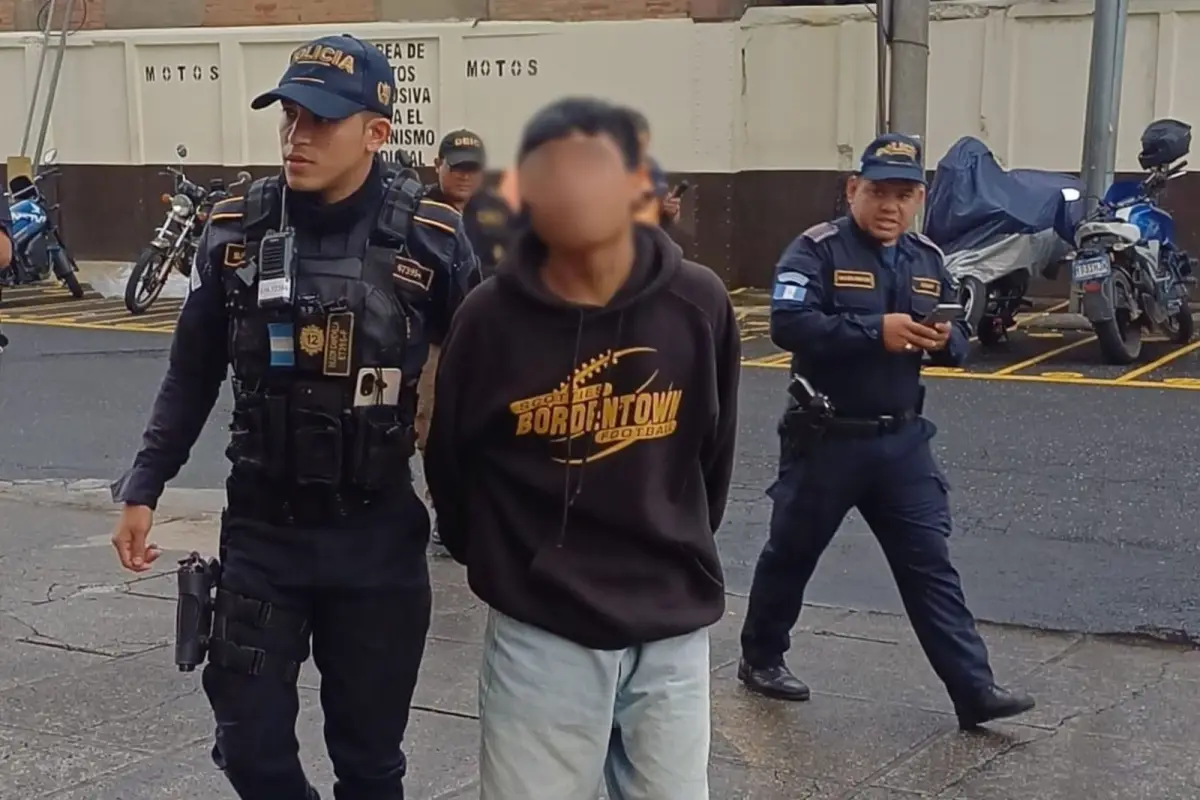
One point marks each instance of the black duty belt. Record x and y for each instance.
(868, 427)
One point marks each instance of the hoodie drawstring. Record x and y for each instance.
(569, 494)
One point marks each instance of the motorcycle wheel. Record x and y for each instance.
(1120, 339)
(147, 280)
(1181, 327)
(973, 296)
(64, 269)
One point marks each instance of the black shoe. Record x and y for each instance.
(776, 682)
(992, 703)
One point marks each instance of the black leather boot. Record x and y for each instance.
(776, 682)
(992, 703)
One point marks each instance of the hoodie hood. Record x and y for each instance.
(657, 260)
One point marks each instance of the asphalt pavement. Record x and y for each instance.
(1073, 488)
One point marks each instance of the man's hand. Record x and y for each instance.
(671, 207)
(129, 538)
(943, 336)
(902, 334)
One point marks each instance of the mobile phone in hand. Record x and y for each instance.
(944, 312)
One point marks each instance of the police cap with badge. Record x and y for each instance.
(463, 149)
(333, 78)
(893, 157)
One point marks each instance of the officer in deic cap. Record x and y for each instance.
(859, 302)
(321, 291)
(460, 164)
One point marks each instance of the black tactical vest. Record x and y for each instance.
(316, 384)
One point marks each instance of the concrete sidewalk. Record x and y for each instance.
(91, 706)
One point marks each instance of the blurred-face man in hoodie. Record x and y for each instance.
(579, 459)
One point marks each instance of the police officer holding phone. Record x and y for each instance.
(322, 289)
(860, 301)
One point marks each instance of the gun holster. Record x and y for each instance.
(194, 610)
(806, 420)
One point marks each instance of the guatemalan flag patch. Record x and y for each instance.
(791, 286)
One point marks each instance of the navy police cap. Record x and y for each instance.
(335, 77)
(893, 157)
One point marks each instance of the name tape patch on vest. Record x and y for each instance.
(235, 255)
(852, 279)
(413, 273)
(338, 342)
(927, 286)
(283, 352)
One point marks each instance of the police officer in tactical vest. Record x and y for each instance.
(321, 289)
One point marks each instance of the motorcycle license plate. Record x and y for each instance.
(1090, 268)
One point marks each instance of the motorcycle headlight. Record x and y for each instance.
(182, 206)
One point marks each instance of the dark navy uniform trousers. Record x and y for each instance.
(897, 486)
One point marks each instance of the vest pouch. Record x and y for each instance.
(382, 446)
(317, 437)
(258, 435)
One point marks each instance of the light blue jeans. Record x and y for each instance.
(558, 719)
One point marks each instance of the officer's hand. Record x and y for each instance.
(129, 538)
(671, 206)
(901, 334)
(943, 336)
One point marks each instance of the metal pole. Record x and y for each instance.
(1110, 163)
(883, 9)
(908, 105)
(37, 82)
(58, 61)
(1104, 87)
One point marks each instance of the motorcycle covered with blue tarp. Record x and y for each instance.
(998, 228)
(1130, 273)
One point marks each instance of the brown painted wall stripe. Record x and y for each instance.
(735, 223)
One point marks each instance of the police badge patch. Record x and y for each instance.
(312, 340)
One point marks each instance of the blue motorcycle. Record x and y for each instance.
(38, 246)
(1132, 275)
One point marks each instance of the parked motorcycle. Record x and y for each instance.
(174, 244)
(38, 245)
(998, 228)
(1132, 276)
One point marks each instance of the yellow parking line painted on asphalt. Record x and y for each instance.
(1050, 377)
(1046, 356)
(1054, 309)
(50, 310)
(771, 360)
(87, 326)
(1158, 362)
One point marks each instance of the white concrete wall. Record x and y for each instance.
(784, 88)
